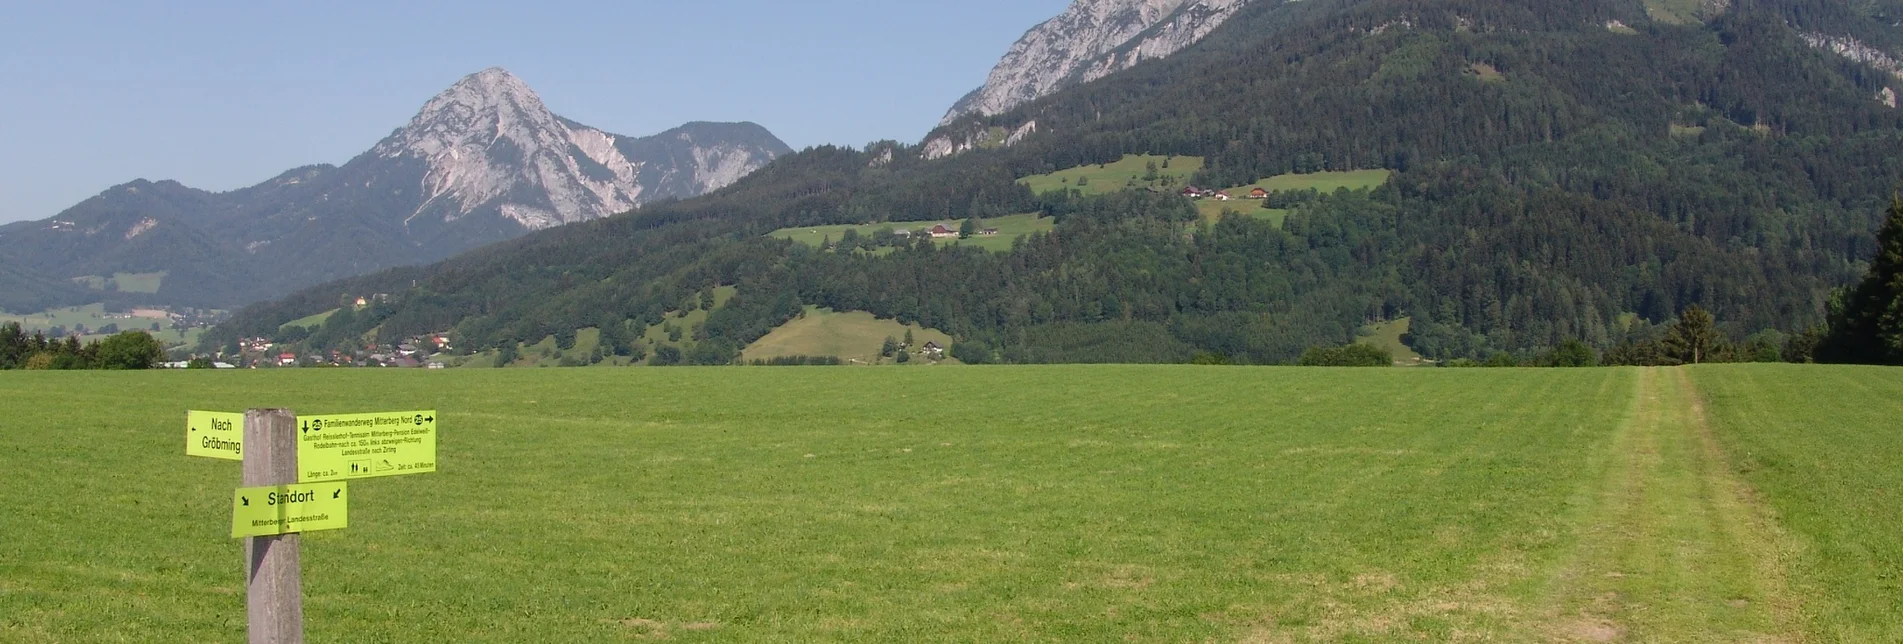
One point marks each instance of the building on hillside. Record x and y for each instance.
(1258, 193)
(942, 231)
(287, 359)
(437, 365)
(989, 232)
(1192, 192)
(902, 233)
(1222, 195)
(932, 351)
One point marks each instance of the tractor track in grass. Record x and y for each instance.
(1676, 548)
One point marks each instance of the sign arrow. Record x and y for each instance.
(307, 427)
(337, 495)
(247, 500)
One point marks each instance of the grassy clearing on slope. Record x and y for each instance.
(1212, 210)
(1128, 172)
(1822, 447)
(310, 321)
(1387, 335)
(1676, 12)
(1159, 504)
(124, 282)
(854, 336)
(1324, 182)
(1010, 228)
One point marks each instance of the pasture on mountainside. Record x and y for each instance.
(1009, 228)
(855, 337)
(94, 318)
(1076, 503)
(1131, 171)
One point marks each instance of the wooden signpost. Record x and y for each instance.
(280, 500)
(274, 579)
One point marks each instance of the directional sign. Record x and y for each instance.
(283, 509)
(213, 434)
(355, 446)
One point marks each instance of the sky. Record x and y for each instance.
(221, 95)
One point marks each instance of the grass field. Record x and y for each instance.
(94, 316)
(125, 282)
(1212, 210)
(852, 336)
(1822, 448)
(1010, 228)
(1323, 182)
(310, 321)
(1123, 174)
(1069, 503)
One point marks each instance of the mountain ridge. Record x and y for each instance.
(481, 162)
(1555, 178)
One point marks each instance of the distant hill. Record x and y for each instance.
(482, 162)
(1555, 170)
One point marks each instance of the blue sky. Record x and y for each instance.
(220, 95)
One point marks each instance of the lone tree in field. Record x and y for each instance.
(891, 347)
(1866, 323)
(1694, 337)
(130, 350)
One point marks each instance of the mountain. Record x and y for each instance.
(1090, 40)
(482, 162)
(1557, 170)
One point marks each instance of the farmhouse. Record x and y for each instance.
(942, 231)
(932, 351)
(989, 232)
(1222, 196)
(1258, 193)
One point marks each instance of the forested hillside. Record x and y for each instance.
(1563, 171)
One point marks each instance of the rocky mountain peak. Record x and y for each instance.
(481, 107)
(1090, 40)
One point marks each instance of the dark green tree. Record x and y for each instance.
(13, 346)
(1694, 338)
(130, 350)
(1866, 323)
(1573, 353)
(890, 347)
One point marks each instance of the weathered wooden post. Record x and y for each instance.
(274, 593)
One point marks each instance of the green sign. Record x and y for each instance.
(354, 446)
(214, 434)
(283, 509)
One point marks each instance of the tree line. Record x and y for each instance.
(125, 350)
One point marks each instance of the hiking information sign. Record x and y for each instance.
(284, 509)
(353, 446)
(212, 434)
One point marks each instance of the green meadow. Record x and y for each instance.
(124, 282)
(1132, 171)
(853, 336)
(1009, 227)
(94, 316)
(1063, 503)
